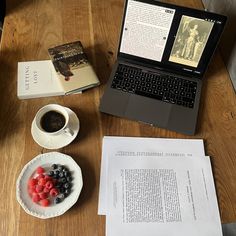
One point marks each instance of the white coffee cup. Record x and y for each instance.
(58, 109)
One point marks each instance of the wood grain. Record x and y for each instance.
(30, 28)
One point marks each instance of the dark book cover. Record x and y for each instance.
(73, 68)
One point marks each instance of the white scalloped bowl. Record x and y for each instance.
(46, 160)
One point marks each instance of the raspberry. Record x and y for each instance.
(46, 190)
(32, 190)
(47, 177)
(42, 181)
(43, 195)
(39, 188)
(53, 192)
(49, 184)
(36, 198)
(40, 176)
(40, 170)
(45, 202)
(32, 182)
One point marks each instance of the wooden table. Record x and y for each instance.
(30, 28)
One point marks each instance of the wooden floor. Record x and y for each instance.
(30, 28)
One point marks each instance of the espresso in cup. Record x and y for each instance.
(52, 121)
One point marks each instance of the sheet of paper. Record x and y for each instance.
(137, 147)
(167, 196)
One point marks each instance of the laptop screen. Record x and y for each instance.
(169, 36)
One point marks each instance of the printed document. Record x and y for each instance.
(121, 147)
(161, 196)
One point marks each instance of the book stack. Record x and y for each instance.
(68, 72)
(153, 186)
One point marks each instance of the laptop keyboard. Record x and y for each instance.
(166, 88)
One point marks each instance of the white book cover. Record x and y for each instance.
(37, 79)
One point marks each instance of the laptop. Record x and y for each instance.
(163, 54)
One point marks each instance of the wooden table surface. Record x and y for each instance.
(30, 28)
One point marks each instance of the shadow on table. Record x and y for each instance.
(229, 229)
(102, 60)
(12, 5)
(89, 180)
(88, 127)
(213, 72)
(10, 119)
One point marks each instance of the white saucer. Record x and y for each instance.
(57, 141)
(46, 160)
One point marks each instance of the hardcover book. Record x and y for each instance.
(37, 79)
(73, 68)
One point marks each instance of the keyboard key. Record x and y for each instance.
(163, 87)
(190, 105)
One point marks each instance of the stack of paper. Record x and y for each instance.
(152, 186)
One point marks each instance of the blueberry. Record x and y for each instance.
(54, 166)
(57, 200)
(61, 174)
(56, 172)
(58, 185)
(61, 196)
(50, 173)
(67, 192)
(69, 179)
(67, 173)
(65, 169)
(62, 190)
(63, 180)
(55, 176)
(60, 168)
(67, 185)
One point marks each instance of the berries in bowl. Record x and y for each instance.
(49, 185)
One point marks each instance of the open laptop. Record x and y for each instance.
(163, 53)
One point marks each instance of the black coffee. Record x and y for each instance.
(52, 121)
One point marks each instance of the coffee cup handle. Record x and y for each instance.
(68, 131)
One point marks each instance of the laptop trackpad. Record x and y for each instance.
(148, 110)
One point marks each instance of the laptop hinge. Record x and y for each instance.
(153, 67)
